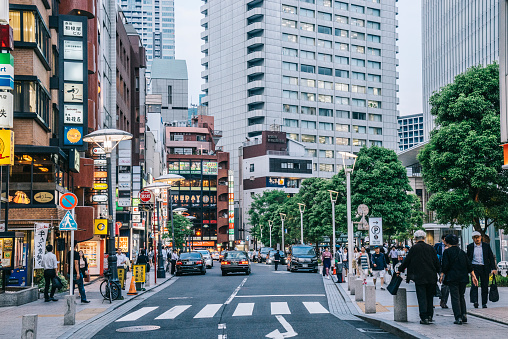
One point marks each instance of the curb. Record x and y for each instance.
(392, 327)
(495, 320)
(76, 328)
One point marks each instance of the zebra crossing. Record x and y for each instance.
(211, 310)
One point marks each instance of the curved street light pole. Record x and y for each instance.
(270, 224)
(301, 207)
(333, 197)
(282, 218)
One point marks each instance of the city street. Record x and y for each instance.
(266, 304)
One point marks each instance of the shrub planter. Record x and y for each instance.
(15, 296)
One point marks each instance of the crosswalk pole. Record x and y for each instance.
(71, 278)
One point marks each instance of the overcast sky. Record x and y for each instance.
(188, 47)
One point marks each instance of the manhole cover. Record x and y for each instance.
(138, 328)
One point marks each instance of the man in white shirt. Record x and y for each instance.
(50, 264)
(174, 258)
(121, 259)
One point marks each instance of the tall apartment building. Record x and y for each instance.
(154, 20)
(325, 70)
(410, 130)
(456, 35)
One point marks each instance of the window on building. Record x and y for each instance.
(325, 154)
(290, 94)
(309, 138)
(373, 11)
(358, 102)
(357, 62)
(341, 5)
(358, 49)
(374, 91)
(342, 141)
(307, 55)
(341, 19)
(358, 75)
(341, 60)
(326, 126)
(373, 38)
(325, 98)
(308, 96)
(307, 41)
(342, 32)
(358, 89)
(326, 140)
(292, 136)
(31, 97)
(288, 23)
(359, 142)
(342, 101)
(374, 104)
(375, 130)
(307, 12)
(290, 52)
(342, 46)
(289, 108)
(307, 68)
(375, 117)
(308, 82)
(291, 66)
(324, 29)
(289, 37)
(374, 51)
(325, 57)
(326, 112)
(326, 3)
(290, 80)
(359, 129)
(170, 95)
(326, 167)
(342, 114)
(374, 64)
(305, 26)
(308, 124)
(29, 27)
(324, 16)
(311, 152)
(325, 71)
(357, 9)
(291, 123)
(357, 36)
(251, 168)
(342, 127)
(374, 78)
(376, 143)
(357, 22)
(289, 9)
(341, 87)
(308, 110)
(374, 25)
(324, 43)
(341, 73)
(359, 116)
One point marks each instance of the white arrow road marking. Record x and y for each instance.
(173, 313)
(290, 332)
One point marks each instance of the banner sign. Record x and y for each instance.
(6, 71)
(139, 272)
(6, 109)
(41, 234)
(231, 205)
(376, 231)
(6, 147)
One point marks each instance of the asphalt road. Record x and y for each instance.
(265, 304)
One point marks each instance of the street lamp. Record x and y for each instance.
(333, 197)
(157, 187)
(282, 218)
(348, 171)
(107, 140)
(168, 180)
(301, 207)
(190, 218)
(270, 224)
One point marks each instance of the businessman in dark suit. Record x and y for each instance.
(481, 256)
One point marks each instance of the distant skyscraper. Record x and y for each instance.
(154, 21)
(457, 34)
(410, 130)
(324, 70)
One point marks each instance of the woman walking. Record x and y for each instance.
(345, 260)
(83, 264)
(363, 265)
(326, 257)
(356, 255)
(455, 273)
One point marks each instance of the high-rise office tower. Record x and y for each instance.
(456, 35)
(324, 70)
(154, 20)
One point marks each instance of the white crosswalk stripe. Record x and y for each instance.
(315, 307)
(173, 313)
(138, 314)
(243, 309)
(280, 308)
(208, 311)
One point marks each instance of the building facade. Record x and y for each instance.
(456, 35)
(270, 161)
(192, 153)
(324, 70)
(410, 130)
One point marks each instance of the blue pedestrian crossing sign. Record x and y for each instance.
(68, 223)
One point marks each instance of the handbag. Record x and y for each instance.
(394, 285)
(57, 283)
(493, 293)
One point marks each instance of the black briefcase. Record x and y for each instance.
(493, 293)
(393, 287)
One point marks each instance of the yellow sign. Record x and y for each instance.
(139, 273)
(100, 226)
(6, 147)
(74, 135)
(122, 243)
(100, 186)
(43, 197)
(121, 277)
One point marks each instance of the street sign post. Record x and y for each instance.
(145, 196)
(375, 231)
(68, 201)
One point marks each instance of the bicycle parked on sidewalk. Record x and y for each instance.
(110, 290)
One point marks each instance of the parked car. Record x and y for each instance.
(190, 262)
(235, 261)
(302, 258)
(207, 257)
(263, 253)
(270, 258)
(216, 256)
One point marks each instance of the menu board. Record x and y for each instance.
(6, 248)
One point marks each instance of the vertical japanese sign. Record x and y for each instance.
(139, 272)
(41, 234)
(376, 232)
(231, 205)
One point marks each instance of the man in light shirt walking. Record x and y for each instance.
(50, 264)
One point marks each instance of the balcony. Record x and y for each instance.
(254, 12)
(256, 69)
(204, 8)
(204, 47)
(204, 87)
(205, 60)
(256, 84)
(204, 74)
(204, 34)
(255, 55)
(204, 21)
(256, 98)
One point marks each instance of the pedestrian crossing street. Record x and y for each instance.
(211, 310)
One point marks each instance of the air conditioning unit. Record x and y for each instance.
(251, 178)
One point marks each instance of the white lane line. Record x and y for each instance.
(233, 295)
(279, 295)
(138, 314)
(315, 307)
(179, 298)
(280, 308)
(173, 312)
(243, 309)
(222, 326)
(208, 311)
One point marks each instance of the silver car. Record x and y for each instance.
(207, 257)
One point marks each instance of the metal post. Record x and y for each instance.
(112, 229)
(349, 223)
(71, 263)
(261, 230)
(160, 264)
(170, 202)
(301, 225)
(282, 246)
(270, 236)
(334, 250)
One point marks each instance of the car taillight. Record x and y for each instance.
(244, 262)
(178, 262)
(199, 262)
(225, 263)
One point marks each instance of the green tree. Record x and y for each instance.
(182, 227)
(380, 181)
(461, 164)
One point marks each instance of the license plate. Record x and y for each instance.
(234, 263)
(305, 265)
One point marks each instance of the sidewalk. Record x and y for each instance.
(443, 327)
(51, 314)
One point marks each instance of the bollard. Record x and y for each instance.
(370, 299)
(353, 286)
(350, 278)
(359, 290)
(29, 326)
(400, 305)
(70, 310)
(147, 279)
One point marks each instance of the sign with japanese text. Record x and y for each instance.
(73, 114)
(139, 272)
(73, 135)
(73, 28)
(210, 168)
(73, 92)
(375, 231)
(41, 234)
(73, 50)
(6, 110)
(6, 147)
(231, 205)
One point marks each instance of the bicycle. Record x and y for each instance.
(110, 290)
